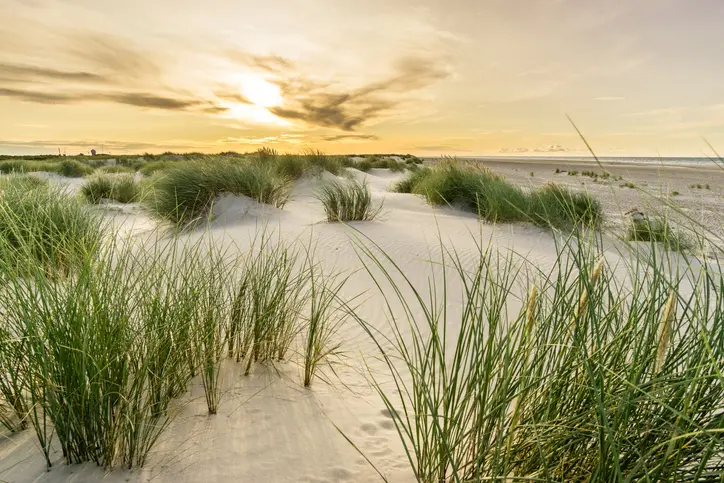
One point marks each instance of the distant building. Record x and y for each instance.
(93, 152)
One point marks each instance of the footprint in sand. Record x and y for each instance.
(369, 428)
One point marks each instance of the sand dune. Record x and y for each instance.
(269, 428)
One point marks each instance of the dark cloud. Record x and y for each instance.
(351, 137)
(323, 105)
(151, 101)
(30, 73)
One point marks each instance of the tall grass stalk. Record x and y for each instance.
(268, 303)
(324, 321)
(348, 200)
(632, 391)
(108, 349)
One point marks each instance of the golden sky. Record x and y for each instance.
(429, 77)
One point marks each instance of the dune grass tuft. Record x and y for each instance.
(476, 188)
(557, 206)
(121, 188)
(348, 200)
(583, 377)
(44, 224)
(658, 230)
(116, 169)
(102, 354)
(185, 193)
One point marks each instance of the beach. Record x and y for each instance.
(270, 428)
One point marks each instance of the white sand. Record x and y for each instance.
(269, 428)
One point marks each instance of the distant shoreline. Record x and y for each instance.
(605, 160)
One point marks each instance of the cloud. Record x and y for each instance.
(351, 137)
(137, 99)
(609, 98)
(31, 73)
(322, 105)
(283, 138)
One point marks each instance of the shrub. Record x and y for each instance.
(121, 188)
(44, 224)
(347, 201)
(627, 185)
(573, 173)
(185, 193)
(559, 207)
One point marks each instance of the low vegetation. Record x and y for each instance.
(348, 200)
(185, 193)
(43, 224)
(478, 189)
(590, 379)
(658, 230)
(67, 167)
(121, 188)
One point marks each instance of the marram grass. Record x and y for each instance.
(597, 377)
(348, 200)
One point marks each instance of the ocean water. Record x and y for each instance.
(696, 161)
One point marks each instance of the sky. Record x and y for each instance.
(457, 77)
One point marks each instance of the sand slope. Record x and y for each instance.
(269, 428)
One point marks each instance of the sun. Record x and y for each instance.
(261, 92)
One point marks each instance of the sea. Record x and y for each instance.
(688, 161)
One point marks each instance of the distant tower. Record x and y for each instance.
(93, 152)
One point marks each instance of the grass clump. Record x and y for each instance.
(45, 225)
(152, 167)
(658, 230)
(322, 324)
(554, 205)
(185, 193)
(478, 189)
(71, 168)
(348, 200)
(121, 188)
(471, 187)
(582, 377)
(105, 352)
(266, 307)
(116, 169)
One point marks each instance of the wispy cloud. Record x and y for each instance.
(322, 105)
(20, 73)
(351, 137)
(137, 99)
(283, 138)
(609, 98)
